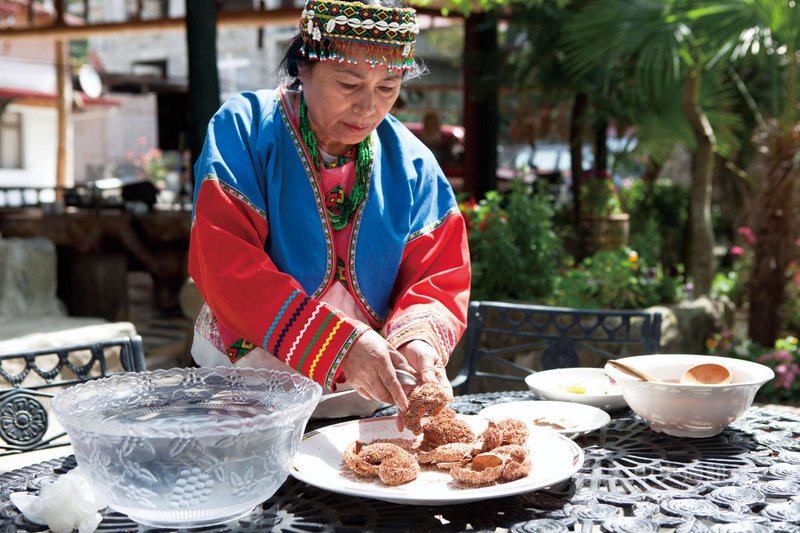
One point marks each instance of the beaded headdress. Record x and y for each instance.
(330, 29)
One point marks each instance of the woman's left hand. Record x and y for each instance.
(426, 361)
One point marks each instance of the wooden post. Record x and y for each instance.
(64, 151)
(64, 155)
(480, 103)
(201, 38)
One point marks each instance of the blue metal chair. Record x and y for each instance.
(553, 337)
(24, 417)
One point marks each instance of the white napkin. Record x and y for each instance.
(68, 503)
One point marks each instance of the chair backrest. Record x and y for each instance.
(28, 380)
(506, 341)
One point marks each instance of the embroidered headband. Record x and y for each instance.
(330, 29)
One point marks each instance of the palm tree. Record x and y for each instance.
(658, 43)
(771, 30)
(669, 41)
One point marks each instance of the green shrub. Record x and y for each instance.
(615, 280)
(783, 359)
(513, 247)
(732, 283)
(659, 214)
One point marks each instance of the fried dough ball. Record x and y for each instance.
(453, 452)
(368, 460)
(491, 437)
(353, 460)
(514, 431)
(428, 398)
(505, 463)
(398, 469)
(445, 430)
(446, 412)
(516, 461)
(484, 469)
(508, 431)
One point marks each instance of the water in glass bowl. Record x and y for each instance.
(179, 478)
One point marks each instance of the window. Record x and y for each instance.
(11, 140)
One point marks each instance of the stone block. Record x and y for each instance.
(28, 279)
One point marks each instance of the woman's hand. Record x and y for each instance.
(428, 366)
(369, 368)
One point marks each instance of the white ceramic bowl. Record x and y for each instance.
(188, 447)
(689, 410)
(566, 384)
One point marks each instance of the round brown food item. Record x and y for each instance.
(398, 469)
(388, 461)
(444, 430)
(425, 399)
(446, 453)
(514, 431)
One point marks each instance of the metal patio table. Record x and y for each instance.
(633, 479)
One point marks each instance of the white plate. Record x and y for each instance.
(577, 419)
(319, 463)
(601, 392)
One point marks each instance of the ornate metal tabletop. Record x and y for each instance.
(633, 479)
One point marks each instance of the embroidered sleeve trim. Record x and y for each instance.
(428, 326)
(337, 360)
(430, 227)
(236, 193)
(310, 337)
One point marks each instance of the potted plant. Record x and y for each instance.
(604, 227)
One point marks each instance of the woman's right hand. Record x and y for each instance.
(369, 367)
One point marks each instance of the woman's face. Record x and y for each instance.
(346, 102)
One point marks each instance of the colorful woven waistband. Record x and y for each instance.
(330, 29)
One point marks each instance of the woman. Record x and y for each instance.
(325, 237)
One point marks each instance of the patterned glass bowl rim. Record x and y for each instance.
(219, 387)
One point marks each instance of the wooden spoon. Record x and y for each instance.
(631, 371)
(707, 374)
(704, 374)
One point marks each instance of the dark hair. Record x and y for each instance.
(293, 59)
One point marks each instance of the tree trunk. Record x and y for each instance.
(601, 145)
(576, 124)
(701, 238)
(776, 226)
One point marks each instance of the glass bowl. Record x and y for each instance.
(689, 410)
(188, 447)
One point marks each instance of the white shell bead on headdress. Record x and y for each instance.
(331, 28)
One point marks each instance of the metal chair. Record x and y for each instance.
(29, 379)
(553, 337)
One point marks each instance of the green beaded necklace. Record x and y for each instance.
(363, 162)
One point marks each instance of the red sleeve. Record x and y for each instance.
(431, 293)
(251, 298)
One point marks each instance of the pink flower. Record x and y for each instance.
(737, 250)
(142, 141)
(747, 233)
(780, 355)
